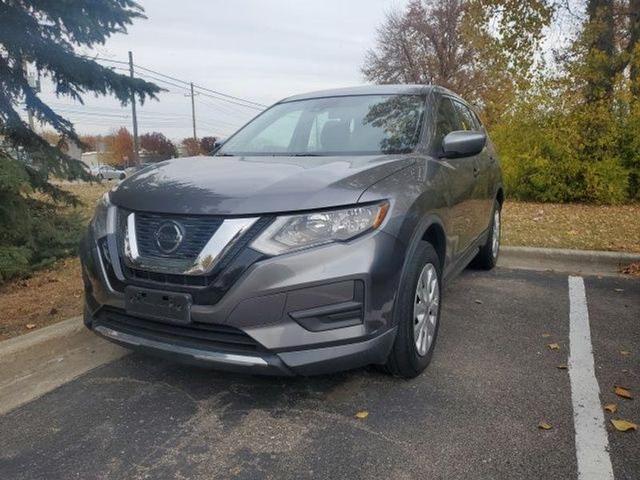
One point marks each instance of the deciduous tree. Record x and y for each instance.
(482, 49)
(158, 145)
(207, 144)
(192, 147)
(120, 148)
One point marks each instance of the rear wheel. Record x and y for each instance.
(487, 257)
(418, 314)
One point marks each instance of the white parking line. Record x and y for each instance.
(592, 444)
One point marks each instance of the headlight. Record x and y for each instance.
(295, 232)
(104, 218)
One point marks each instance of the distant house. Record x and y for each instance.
(92, 159)
(72, 149)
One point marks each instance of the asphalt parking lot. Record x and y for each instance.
(473, 414)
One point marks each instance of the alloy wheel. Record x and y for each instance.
(495, 237)
(425, 310)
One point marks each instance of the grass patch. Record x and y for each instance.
(576, 226)
(88, 194)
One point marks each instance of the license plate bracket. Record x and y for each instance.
(158, 305)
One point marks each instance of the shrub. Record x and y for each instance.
(586, 154)
(33, 232)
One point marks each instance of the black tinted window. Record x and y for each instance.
(468, 120)
(446, 121)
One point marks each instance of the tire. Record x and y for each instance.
(406, 359)
(487, 257)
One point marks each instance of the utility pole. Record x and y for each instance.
(136, 156)
(193, 112)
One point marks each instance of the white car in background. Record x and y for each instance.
(107, 172)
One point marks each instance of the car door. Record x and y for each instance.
(482, 197)
(457, 180)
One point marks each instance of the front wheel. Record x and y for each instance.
(487, 257)
(418, 314)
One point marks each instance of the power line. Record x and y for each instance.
(179, 80)
(102, 59)
(187, 89)
(147, 115)
(260, 105)
(224, 103)
(199, 87)
(146, 75)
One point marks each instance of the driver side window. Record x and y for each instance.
(446, 122)
(467, 119)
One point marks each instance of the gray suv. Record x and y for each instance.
(317, 238)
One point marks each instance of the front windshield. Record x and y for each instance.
(351, 125)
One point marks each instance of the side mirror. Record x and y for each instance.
(463, 143)
(217, 145)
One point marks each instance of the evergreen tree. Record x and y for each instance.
(47, 35)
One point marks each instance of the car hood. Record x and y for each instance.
(253, 185)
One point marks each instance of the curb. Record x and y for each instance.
(590, 262)
(38, 362)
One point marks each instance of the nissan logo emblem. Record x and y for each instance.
(169, 236)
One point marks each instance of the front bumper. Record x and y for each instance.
(303, 362)
(289, 305)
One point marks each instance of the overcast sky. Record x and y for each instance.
(254, 49)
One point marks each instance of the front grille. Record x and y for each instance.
(219, 338)
(205, 289)
(197, 232)
(238, 251)
(168, 278)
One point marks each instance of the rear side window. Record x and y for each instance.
(468, 120)
(446, 121)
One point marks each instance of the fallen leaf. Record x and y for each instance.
(611, 407)
(553, 346)
(623, 425)
(30, 326)
(544, 426)
(622, 392)
(479, 302)
(546, 335)
(561, 367)
(362, 414)
(625, 352)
